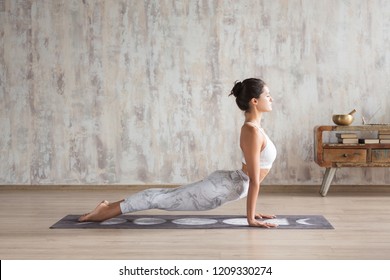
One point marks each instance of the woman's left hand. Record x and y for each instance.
(264, 216)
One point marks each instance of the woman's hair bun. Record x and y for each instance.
(237, 88)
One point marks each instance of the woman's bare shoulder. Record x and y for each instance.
(250, 135)
(248, 129)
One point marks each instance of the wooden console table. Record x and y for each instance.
(335, 155)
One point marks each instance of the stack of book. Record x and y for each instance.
(347, 138)
(384, 137)
(352, 138)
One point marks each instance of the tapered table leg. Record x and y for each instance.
(327, 180)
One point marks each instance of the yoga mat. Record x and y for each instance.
(192, 222)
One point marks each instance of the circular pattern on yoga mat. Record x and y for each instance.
(236, 222)
(149, 221)
(113, 221)
(194, 221)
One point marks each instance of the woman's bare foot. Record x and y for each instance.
(98, 214)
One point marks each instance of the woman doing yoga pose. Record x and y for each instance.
(253, 97)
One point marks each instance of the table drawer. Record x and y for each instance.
(345, 155)
(380, 155)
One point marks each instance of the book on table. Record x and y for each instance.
(369, 141)
(348, 141)
(346, 135)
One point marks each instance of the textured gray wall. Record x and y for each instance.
(128, 92)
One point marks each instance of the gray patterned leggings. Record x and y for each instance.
(218, 188)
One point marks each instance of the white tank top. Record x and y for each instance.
(268, 154)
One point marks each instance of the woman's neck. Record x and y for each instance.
(253, 118)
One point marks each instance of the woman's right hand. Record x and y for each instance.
(256, 223)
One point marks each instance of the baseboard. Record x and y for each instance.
(333, 188)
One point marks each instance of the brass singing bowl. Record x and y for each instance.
(342, 119)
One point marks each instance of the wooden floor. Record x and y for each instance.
(360, 215)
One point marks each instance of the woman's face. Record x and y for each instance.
(264, 103)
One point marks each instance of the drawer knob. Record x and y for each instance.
(345, 155)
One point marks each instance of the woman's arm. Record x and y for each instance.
(252, 142)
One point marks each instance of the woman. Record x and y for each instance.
(253, 97)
